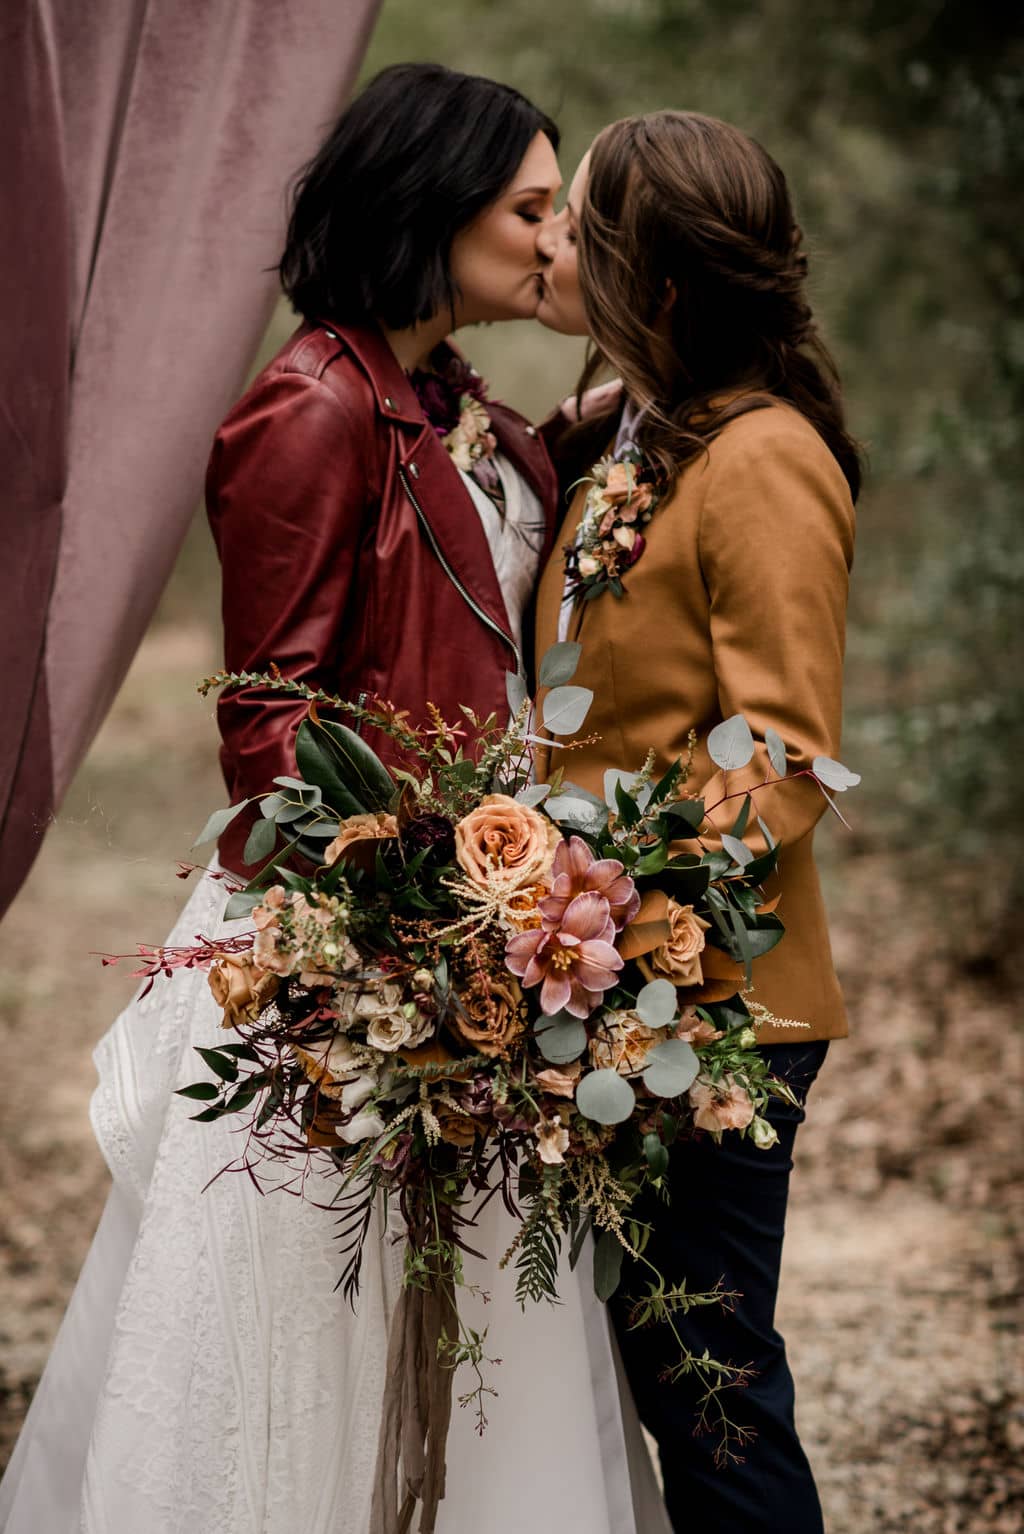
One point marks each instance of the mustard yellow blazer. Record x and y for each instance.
(737, 605)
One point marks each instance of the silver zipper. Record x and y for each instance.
(360, 722)
(460, 588)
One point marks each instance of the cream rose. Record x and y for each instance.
(241, 987)
(390, 1023)
(622, 1043)
(552, 1141)
(360, 828)
(724, 1105)
(507, 841)
(678, 960)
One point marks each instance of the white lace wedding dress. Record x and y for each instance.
(208, 1379)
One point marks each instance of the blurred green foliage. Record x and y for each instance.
(900, 124)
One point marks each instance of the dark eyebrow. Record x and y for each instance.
(541, 191)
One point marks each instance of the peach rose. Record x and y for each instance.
(266, 915)
(560, 1080)
(621, 480)
(507, 841)
(491, 1021)
(694, 1030)
(360, 828)
(678, 960)
(456, 1128)
(725, 1105)
(241, 987)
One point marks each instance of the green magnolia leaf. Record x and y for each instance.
(533, 794)
(667, 783)
(242, 903)
(607, 1265)
(317, 766)
(657, 1004)
(605, 1097)
(652, 862)
(560, 1038)
(671, 1068)
(686, 881)
(627, 809)
(515, 691)
(737, 850)
(559, 664)
(322, 830)
(834, 775)
(730, 744)
(690, 811)
(776, 752)
(218, 823)
(565, 709)
(657, 1155)
(261, 841)
(359, 767)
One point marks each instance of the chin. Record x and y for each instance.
(548, 315)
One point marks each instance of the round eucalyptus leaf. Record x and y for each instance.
(605, 1097)
(776, 751)
(656, 1005)
(565, 709)
(730, 744)
(561, 1039)
(559, 663)
(671, 1068)
(834, 775)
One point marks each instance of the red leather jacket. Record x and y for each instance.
(352, 554)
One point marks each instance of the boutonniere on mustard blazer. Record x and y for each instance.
(609, 540)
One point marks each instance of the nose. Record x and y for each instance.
(547, 240)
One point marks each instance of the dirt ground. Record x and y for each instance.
(901, 1296)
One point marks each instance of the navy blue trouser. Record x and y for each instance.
(725, 1221)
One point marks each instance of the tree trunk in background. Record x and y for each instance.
(148, 145)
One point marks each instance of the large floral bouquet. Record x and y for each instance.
(454, 980)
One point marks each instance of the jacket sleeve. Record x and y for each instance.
(776, 547)
(288, 494)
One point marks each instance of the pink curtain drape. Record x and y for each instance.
(147, 149)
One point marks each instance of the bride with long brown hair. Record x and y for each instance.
(711, 580)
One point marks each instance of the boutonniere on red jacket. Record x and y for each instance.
(609, 540)
(454, 401)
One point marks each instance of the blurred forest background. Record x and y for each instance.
(900, 124)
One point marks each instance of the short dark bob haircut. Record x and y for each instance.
(419, 153)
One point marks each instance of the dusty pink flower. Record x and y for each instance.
(576, 870)
(266, 915)
(573, 962)
(723, 1106)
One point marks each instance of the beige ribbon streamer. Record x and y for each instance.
(417, 1411)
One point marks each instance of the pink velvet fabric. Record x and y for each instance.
(148, 148)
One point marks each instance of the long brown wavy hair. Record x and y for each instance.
(680, 201)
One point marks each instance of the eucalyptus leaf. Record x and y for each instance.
(769, 838)
(740, 823)
(657, 1004)
(834, 775)
(533, 794)
(565, 709)
(218, 823)
(730, 744)
(261, 841)
(607, 1265)
(606, 1097)
(241, 904)
(515, 691)
(296, 783)
(737, 850)
(691, 811)
(615, 780)
(271, 805)
(671, 1069)
(561, 1039)
(776, 752)
(576, 813)
(559, 664)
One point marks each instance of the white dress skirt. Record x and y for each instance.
(208, 1378)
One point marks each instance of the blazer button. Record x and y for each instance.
(414, 470)
(389, 403)
(531, 431)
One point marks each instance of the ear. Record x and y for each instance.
(668, 303)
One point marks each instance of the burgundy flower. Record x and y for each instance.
(433, 832)
(573, 962)
(576, 870)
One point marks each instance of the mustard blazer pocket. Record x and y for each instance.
(737, 605)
